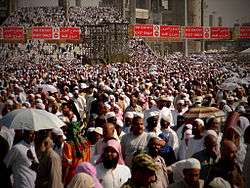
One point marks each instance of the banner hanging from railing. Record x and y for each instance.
(244, 32)
(13, 33)
(143, 30)
(42, 32)
(220, 33)
(70, 33)
(191, 32)
(171, 31)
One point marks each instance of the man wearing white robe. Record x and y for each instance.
(20, 159)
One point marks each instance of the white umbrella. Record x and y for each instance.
(31, 119)
(48, 88)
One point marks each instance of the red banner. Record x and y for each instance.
(245, 32)
(42, 32)
(13, 33)
(70, 33)
(193, 32)
(220, 33)
(143, 30)
(172, 32)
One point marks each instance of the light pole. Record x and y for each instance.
(186, 24)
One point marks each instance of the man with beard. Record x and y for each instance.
(196, 143)
(154, 146)
(209, 156)
(111, 171)
(152, 121)
(226, 167)
(191, 174)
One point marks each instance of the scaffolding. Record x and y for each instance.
(105, 40)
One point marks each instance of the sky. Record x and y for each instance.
(230, 10)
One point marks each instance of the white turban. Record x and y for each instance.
(167, 116)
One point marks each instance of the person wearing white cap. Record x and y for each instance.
(128, 121)
(118, 127)
(152, 122)
(110, 117)
(58, 140)
(178, 111)
(191, 172)
(196, 143)
(226, 167)
(167, 130)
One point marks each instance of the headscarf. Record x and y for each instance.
(89, 169)
(117, 146)
(81, 180)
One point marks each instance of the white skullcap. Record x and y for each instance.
(59, 132)
(129, 115)
(153, 114)
(169, 98)
(76, 88)
(200, 121)
(166, 116)
(211, 132)
(39, 101)
(38, 96)
(109, 115)
(223, 101)
(66, 98)
(119, 122)
(219, 182)
(40, 106)
(189, 126)
(138, 114)
(180, 102)
(83, 86)
(98, 130)
(70, 95)
(91, 129)
(192, 163)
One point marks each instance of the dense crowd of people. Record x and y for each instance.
(55, 16)
(125, 124)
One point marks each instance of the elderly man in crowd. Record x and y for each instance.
(226, 167)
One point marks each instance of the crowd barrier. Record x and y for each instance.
(165, 32)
